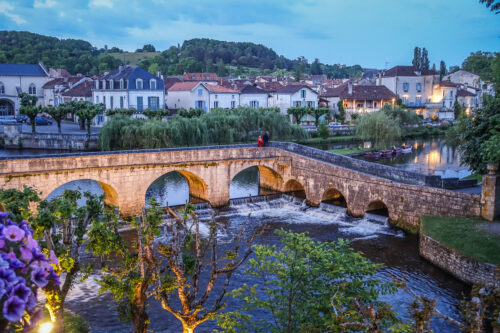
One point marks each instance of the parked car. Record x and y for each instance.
(41, 121)
(7, 120)
(334, 124)
(22, 118)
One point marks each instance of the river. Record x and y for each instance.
(381, 243)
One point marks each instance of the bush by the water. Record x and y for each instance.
(216, 127)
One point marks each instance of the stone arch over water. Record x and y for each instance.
(255, 180)
(295, 188)
(83, 185)
(176, 188)
(377, 207)
(333, 196)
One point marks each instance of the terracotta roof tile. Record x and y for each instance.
(183, 86)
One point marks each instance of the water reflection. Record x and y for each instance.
(245, 183)
(171, 188)
(82, 185)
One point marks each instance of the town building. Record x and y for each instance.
(129, 87)
(54, 90)
(294, 95)
(199, 95)
(464, 78)
(18, 78)
(202, 77)
(253, 97)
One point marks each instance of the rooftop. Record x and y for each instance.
(22, 70)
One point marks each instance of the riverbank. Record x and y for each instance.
(468, 249)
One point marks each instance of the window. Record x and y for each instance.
(138, 84)
(296, 103)
(311, 104)
(111, 84)
(451, 94)
(303, 93)
(139, 103)
(200, 105)
(2, 88)
(216, 104)
(97, 100)
(104, 100)
(111, 102)
(32, 89)
(232, 96)
(200, 92)
(419, 87)
(97, 84)
(233, 104)
(254, 104)
(418, 100)
(121, 101)
(215, 96)
(406, 86)
(153, 103)
(121, 84)
(152, 84)
(103, 84)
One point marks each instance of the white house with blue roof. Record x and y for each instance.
(129, 87)
(18, 78)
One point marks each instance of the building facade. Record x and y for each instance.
(296, 95)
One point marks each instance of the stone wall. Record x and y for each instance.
(462, 267)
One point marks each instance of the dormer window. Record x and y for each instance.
(303, 93)
(97, 84)
(121, 84)
(32, 89)
(152, 84)
(103, 84)
(138, 84)
(111, 84)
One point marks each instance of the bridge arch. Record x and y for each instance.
(110, 193)
(255, 180)
(333, 196)
(197, 188)
(294, 187)
(377, 207)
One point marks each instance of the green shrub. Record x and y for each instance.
(323, 131)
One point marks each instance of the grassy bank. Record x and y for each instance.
(465, 236)
(331, 139)
(475, 176)
(349, 151)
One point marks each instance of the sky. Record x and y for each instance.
(372, 33)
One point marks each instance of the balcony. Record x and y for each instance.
(415, 104)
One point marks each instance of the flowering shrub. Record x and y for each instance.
(23, 269)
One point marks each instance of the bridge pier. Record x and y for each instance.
(490, 195)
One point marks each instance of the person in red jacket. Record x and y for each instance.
(260, 142)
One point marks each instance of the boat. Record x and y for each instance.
(386, 153)
(406, 149)
(373, 155)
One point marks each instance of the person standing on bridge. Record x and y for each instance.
(266, 138)
(260, 142)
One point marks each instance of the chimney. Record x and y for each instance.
(120, 68)
(349, 87)
(159, 74)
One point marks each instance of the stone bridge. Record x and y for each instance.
(126, 175)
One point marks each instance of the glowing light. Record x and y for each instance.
(46, 327)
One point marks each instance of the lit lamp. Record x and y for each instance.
(46, 327)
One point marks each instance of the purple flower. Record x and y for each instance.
(13, 308)
(31, 303)
(26, 254)
(21, 291)
(31, 243)
(4, 263)
(14, 262)
(2, 288)
(7, 275)
(37, 255)
(36, 317)
(54, 277)
(2, 243)
(13, 233)
(38, 277)
(3, 215)
(53, 258)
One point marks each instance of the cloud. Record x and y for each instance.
(101, 3)
(6, 9)
(44, 3)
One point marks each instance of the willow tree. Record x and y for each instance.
(297, 113)
(379, 128)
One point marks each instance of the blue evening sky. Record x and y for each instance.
(372, 33)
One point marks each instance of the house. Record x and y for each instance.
(200, 95)
(18, 78)
(253, 97)
(129, 87)
(81, 91)
(465, 78)
(358, 98)
(203, 77)
(54, 89)
(414, 87)
(468, 100)
(294, 95)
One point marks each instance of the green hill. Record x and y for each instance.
(133, 58)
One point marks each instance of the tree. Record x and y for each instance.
(323, 131)
(493, 5)
(457, 110)
(312, 286)
(148, 48)
(425, 63)
(318, 113)
(89, 112)
(192, 113)
(123, 112)
(221, 69)
(187, 255)
(297, 113)
(442, 69)
(155, 114)
(379, 128)
(29, 108)
(480, 63)
(417, 57)
(340, 116)
(58, 114)
(316, 68)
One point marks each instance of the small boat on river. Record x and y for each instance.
(406, 149)
(373, 155)
(386, 153)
